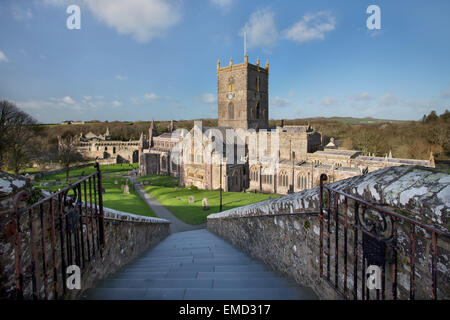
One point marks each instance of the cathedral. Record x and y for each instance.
(243, 153)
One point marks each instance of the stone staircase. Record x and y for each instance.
(197, 265)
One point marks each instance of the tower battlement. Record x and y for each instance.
(242, 65)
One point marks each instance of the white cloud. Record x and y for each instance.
(3, 57)
(328, 101)
(363, 96)
(21, 14)
(388, 100)
(152, 96)
(68, 100)
(279, 102)
(116, 103)
(261, 29)
(311, 27)
(207, 98)
(143, 19)
(120, 77)
(222, 3)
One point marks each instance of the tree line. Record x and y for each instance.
(24, 142)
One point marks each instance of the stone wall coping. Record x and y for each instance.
(303, 200)
(10, 183)
(126, 216)
(423, 192)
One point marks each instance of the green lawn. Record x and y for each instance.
(176, 199)
(105, 169)
(115, 199)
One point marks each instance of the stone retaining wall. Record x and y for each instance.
(126, 237)
(290, 243)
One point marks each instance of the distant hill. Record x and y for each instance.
(350, 120)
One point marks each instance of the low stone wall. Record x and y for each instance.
(126, 237)
(289, 243)
(40, 174)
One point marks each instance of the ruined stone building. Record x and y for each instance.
(101, 146)
(292, 163)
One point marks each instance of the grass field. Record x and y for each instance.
(114, 198)
(176, 199)
(78, 172)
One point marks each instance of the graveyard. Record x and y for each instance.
(187, 204)
(190, 205)
(113, 180)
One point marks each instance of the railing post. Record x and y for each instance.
(21, 196)
(101, 226)
(323, 177)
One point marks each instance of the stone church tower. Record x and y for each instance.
(243, 95)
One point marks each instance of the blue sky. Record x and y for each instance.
(156, 59)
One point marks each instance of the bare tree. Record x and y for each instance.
(368, 140)
(17, 133)
(67, 152)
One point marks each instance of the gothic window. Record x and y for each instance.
(231, 111)
(114, 149)
(254, 174)
(266, 179)
(230, 84)
(257, 83)
(283, 179)
(163, 163)
(199, 158)
(258, 111)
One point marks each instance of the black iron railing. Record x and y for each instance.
(356, 234)
(58, 231)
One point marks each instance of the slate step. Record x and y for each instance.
(291, 293)
(156, 283)
(196, 265)
(133, 294)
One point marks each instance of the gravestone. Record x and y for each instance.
(116, 182)
(122, 186)
(103, 190)
(126, 189)
(191, 199)
(205, 204)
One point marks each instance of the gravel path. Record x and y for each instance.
(176, 225)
